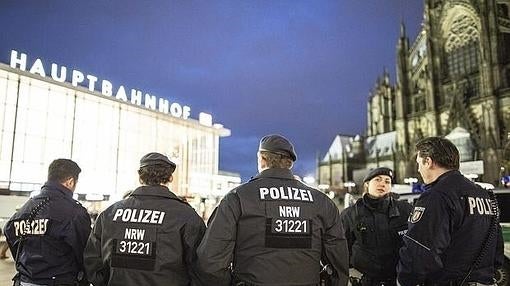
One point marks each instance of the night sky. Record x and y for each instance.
(303, 69)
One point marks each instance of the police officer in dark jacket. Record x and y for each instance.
(453, 236)
(374, 227)
(48, 233)
(274, 230)
(148, 238)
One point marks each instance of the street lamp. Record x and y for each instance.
(348, 198)
(349, 185)
(410, 181)
(323, 187)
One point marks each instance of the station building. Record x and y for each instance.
(48, 111)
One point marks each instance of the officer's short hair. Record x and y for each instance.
(441, 150)
(155, 169)
(274, 160)
(62, 169)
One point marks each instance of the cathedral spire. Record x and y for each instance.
(402, 29)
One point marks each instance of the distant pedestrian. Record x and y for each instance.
(3, 246)
(48, 233)
(454, 237)
(274, 230)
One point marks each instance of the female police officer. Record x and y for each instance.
(374, 227)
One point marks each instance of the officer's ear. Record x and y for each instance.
(70, 183)
(171, 179)
(427, 162)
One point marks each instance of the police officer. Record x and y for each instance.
(273, 230)
(48, 233)
(453, 236)
(148, 238)
(374, 227)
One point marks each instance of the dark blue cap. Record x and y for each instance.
(155, 158)
(278, 144)
(377, 172)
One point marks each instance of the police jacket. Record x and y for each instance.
(447, 229)
(50, 231)
(374, 230)
(148, 238)
(274, 230)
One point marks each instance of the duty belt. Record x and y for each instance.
(380, 282)
(243, 283)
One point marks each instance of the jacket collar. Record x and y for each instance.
(442, 177)
(156, 191)
(387, 204)
(274, 173)
(52, 186)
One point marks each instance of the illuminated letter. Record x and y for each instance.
(176, 109)
(21, 61)
(92, 82)
(54, 73)
(150, 101)
(121, 93)
(77, 77)
(106, 88)
(205, 119)
(163, 105)
(38, 68)
(186, 111)
(136, 97)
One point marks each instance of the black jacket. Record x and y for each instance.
(54, 229)
(274, 230)
(374, 230)
(447, 229)
(148, 238)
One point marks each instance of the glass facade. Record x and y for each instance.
(42, 120)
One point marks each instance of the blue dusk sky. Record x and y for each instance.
(303, 69)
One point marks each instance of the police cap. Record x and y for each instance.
(377, 172)
(278, 144)
(154, 158)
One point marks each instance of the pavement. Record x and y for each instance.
(7, 270)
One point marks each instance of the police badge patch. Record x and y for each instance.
(417, 214)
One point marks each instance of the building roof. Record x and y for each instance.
(458, 133)
(342, 144)
(383, 143)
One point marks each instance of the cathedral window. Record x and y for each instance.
(463, 60)
(419, 103)
(503, 10)
(462, 47)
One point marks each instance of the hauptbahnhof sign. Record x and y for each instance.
(60, 73)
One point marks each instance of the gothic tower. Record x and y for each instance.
(454, 80)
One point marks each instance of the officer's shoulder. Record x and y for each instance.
(75, 204)
(244, 187)
(434, 197)
(234, 193)
(111, 209)
(313, 190)
(347, 212)
(403, 205)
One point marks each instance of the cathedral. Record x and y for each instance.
(453, 81)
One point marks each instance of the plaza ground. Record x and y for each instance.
(6, 270)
